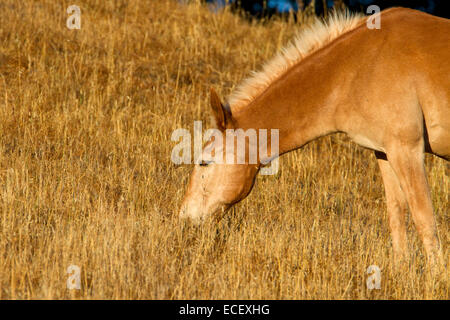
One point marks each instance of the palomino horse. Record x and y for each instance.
(388, 89)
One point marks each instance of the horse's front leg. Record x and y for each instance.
(396, 209)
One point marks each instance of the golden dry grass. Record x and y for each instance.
(86, 178)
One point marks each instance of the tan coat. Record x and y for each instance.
(388, 89)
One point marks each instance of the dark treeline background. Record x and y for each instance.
(267, 8)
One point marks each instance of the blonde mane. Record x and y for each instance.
(308, 41)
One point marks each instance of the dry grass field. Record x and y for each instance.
(86, 178)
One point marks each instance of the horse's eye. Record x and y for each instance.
(204, 164)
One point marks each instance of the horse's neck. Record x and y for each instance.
(301, 105)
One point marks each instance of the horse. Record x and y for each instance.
(388, 89)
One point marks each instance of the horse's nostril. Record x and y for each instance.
(190, 216)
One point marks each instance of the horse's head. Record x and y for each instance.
(216, 183)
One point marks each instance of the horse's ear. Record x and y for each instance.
(222, 114)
